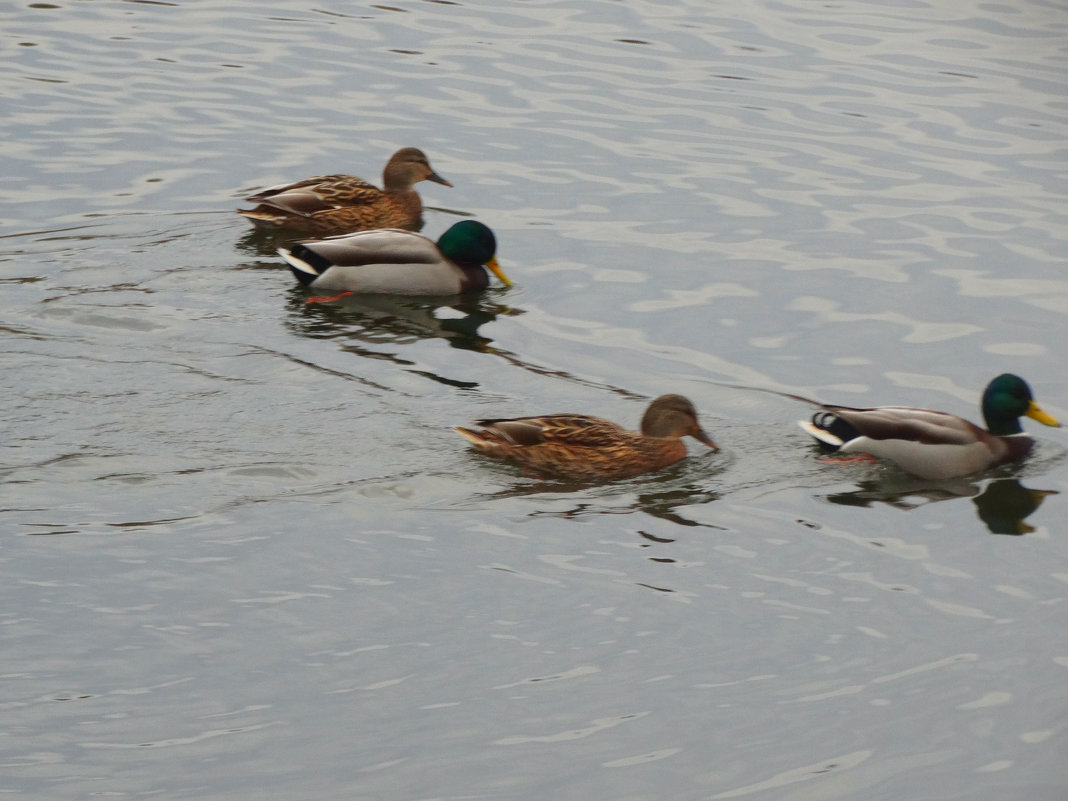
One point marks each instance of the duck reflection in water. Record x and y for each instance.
(667, 504)
(265, 242)
(367, 325)
(1003, 505)
(665, 495)
(393, 319)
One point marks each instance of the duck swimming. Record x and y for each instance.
(935, 445)
(392, 261)
(580, 447)
(334, 204)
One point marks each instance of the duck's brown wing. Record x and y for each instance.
(319, 193)
(572, 430)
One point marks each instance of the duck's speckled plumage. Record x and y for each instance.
(580, 447)
(397, 262)
(935, 445)
(335, 204)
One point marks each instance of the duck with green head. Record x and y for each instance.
(935, 445)
(397, 262)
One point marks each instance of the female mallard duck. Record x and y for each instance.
(398, 262)
(334, 204)
(935, 445)
(579, 447)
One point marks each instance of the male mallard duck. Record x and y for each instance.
(579, 447)
(334, 204)
(935, 445)
(391, 261)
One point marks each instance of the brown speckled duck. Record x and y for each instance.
(579, 447)
(337, 204)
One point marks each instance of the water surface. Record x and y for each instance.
(244, 556)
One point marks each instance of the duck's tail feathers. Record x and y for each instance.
(829, 429)
(484, 440)
(260, 216)
(302, 263)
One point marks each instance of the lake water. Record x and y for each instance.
(242, 554)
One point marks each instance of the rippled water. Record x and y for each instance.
(274, 572)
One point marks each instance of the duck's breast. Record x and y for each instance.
(930, 461)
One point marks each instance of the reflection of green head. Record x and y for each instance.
(1008, 398)
(1005, 504)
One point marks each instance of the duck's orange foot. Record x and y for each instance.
(327, 298)
(860, 458)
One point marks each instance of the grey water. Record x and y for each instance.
(242, 553)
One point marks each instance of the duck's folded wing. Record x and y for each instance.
(918, 425)
(316, 194)
(381, 246)
(564, 429)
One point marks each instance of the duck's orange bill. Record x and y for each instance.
(1034, 411)
(327, 298)
(497, 271)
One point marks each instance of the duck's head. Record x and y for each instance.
(1008, 398)
(470, 243)
(674, 416)
(407, 167)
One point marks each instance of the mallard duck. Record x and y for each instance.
(935, 445)
(334, 204)
(392, 261)
(576, 446)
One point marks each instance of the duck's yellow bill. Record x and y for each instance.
(1034, 411)
(495, 268)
